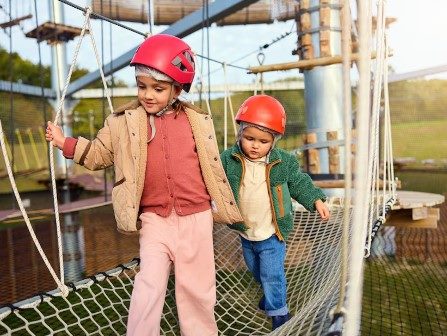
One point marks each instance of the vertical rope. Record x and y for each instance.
(41, 79)
(361, 171)
(200, 78)
(51, 151)
(347, 103)
(150, 15)
(388, 120)
(375, 196)
(16, 193)
(60, 282)
(103, 107)
(224, 65)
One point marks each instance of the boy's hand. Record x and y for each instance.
(322, 209)
(55, 135)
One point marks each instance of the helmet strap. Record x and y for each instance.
(163, 111)
(167, 107)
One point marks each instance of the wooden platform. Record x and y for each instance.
(414, 210)
(417, 199)
(80, 205)
(54, 32)
(341, 184)
(167, 12)
(15, 21)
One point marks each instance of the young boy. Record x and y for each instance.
(264, 179)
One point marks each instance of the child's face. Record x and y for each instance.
(155, 95)
(256, 143)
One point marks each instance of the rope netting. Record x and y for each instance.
(99, 304)
(316, 261)
(96, 305)
(405, 281)
(403, 289)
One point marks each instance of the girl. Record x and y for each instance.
(264, 179)
(169, 175)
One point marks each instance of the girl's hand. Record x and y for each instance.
(55, 135)
(322, 209)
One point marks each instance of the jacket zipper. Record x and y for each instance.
(267, 177)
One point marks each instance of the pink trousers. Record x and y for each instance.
(186, 242)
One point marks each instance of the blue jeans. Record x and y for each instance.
(265, 260)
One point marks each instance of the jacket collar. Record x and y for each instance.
(132, 105)
(274, 154)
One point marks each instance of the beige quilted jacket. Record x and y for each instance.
(122, 142)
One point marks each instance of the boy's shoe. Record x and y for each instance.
(278, 321)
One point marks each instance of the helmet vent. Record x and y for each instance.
(177, 61)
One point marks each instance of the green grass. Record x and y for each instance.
(423, 181)
(403, 299)
(95, 311)
(420, 139)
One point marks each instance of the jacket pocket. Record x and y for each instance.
(280, 195)
(119, 182)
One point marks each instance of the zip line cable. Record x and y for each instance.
(102, 17)
(259, 49)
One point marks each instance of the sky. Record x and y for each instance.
(417, 39)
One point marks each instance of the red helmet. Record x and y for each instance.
(169, 55)
(264, 111)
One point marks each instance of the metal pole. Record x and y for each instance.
(324, 89)
(323, 85)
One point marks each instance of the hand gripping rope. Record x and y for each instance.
(59, 281)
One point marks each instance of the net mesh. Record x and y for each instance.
(99, 304)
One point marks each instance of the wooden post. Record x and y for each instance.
(306, 64)
(334, 153)
(325, 33)
(313, 157)
(305, 49)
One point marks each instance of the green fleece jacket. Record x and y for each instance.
(286, 181)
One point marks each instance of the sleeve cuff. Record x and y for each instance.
(69, 147)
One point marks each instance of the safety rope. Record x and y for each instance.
(59, 280)
(85, 26)
(387, 197)
(373, 169)
(338, 313)
(227, 103)
(261, 59)
(200, 80)
(59, 283)
(353, 297)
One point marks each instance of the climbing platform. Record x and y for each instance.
(54, 33)
(15, 22)
(415, 209)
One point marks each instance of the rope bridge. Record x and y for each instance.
(98, 305)
(317, 253)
